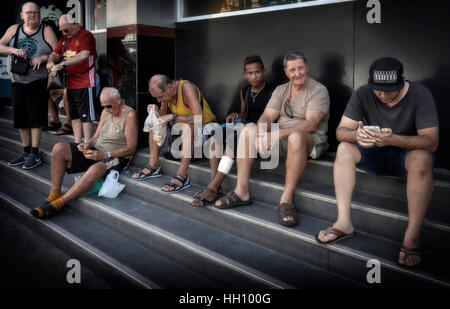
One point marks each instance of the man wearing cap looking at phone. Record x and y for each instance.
(407, 136)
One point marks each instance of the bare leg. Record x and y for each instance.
(94, 173)
(154, 156)
(66, 107)
(245, 157)
(87, 130)
(36, 137)
(419, 190)
(300, 146)
(347, 156)
(60, 155)
(25, 136)
(77, 130)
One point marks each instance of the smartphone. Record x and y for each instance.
(375, 129)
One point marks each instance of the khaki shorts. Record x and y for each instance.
(320, 141)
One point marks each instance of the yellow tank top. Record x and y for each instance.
(181, 109)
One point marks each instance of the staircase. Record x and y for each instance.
(150, 239)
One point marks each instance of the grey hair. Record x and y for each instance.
(161, 81)
(112, 92)
(29, 2)
(294, 55)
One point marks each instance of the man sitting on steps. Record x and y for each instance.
(406, 113)
(111, 148)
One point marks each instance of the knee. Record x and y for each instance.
(297, 141)
(419, 161)
(347, 152)
(60, 149)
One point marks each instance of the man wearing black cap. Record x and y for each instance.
(403, 147)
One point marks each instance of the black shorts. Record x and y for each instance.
(81, 164)
(82, 104)
(30, 104)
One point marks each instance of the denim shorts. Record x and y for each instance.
(383, 160)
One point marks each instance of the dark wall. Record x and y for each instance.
(338, 41)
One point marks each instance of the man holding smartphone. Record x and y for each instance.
(404, 146)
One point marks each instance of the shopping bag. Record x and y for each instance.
(111, 187)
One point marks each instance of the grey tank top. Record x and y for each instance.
(36, 46)
(112, 134)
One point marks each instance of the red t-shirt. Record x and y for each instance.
(79, 75)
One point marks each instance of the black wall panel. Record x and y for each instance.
(211, 52)
(340, 45)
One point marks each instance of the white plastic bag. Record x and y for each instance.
(111, 187)
(152, 124)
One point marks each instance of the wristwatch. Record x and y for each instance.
(63, 63)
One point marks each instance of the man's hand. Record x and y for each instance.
(164, 119)
(36, 63)
(263, 142)
(82, 147)
(382, 139)
(231, 117)
(49, 66)
(364, 137)
(56, 68)
(19, 53)
(95, 155)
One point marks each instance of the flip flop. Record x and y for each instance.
(332, 230)
(202, 201)
(411, 252)
(286, 210)
(232, 200)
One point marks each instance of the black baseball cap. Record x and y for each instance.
(385, 74)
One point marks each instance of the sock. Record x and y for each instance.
(54, 194)
(27, 149)
(35, 150)
(58, 203)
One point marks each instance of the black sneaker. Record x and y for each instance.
(20, 160)
(32, 161)
(46, 210)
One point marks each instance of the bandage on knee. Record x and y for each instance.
(225, 165)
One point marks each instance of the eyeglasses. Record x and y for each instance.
(107, 106)
(32, 13)
(288, 109)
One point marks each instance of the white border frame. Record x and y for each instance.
(181, 19)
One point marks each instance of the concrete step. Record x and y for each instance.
(100, 247)
(371, 213)
(200, 247)
(259, 224)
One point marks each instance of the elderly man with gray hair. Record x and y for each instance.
(111, 148)
(301, 109)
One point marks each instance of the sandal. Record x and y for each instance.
(175, 187)
(288, 210)
(332, 230)
(197, 195)
(64, 130)
(232, 200)
(52, 126)
(201, 202)
(154, 172)
(408, 252)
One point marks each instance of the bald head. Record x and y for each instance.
(160, 81)
(30, 6)
(110, 94)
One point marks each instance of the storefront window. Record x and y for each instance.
(195, 9)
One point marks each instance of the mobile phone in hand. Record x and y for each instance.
(375, 129)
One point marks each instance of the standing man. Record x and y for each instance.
(77, 48)
(29, 94)
(406, 113)
(301, 108)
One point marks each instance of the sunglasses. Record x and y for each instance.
(288, 109)
(107, 106)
